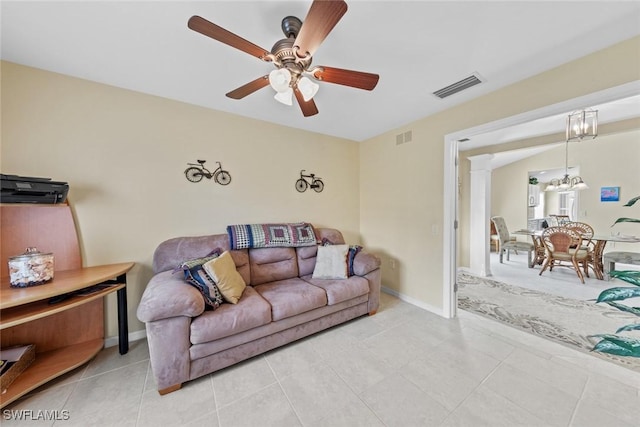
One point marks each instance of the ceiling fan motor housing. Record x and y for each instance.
(285, 56)
(291, 26)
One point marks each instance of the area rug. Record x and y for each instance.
(563, 320)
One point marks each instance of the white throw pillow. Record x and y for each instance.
(331, 262)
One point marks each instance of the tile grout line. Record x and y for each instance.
(293, 408)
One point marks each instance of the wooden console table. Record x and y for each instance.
(66, 333)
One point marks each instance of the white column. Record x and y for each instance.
(480, 204)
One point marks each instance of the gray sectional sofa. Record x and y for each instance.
(281, 303)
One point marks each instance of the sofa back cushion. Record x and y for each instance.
(306, 259)
(241, 259)
(171, 253)
(271, 264)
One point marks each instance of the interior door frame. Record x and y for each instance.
(452, 145)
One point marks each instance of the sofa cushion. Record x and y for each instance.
(241, 260)
(291, 296)
(223, 271)
(272, 264)
(251, 311)
(331, 262)
(174, 251)
(306, 259)
(339, 290)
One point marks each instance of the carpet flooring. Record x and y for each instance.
(563, 320)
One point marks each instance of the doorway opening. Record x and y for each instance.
(452, 144)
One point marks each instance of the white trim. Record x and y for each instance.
(412, 301)
(133, 336)
(449, 299)
(450, 174)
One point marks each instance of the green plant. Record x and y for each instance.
(533, 180)
(616, 343)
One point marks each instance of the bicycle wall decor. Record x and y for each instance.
(314, 182)
(195, 172)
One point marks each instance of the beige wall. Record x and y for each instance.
(124, 153)
(401, 191)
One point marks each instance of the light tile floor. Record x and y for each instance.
(401, 367)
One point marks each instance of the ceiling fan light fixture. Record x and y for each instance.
(285, 97)
(280, 80)
(308, 89)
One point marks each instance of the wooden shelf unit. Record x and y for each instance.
(66, 334)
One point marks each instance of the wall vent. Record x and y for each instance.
(401, 138)
(456, 87)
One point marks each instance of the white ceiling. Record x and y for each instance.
(416, 47)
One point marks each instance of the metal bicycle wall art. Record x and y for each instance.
(314, 182)
(195, 173)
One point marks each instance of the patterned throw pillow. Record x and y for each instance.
(195, 275)
(353, 251)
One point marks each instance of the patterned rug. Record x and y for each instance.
(563, 320)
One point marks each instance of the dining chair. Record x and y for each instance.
(563, 244)
(493, 236)
(507, 244)
(557, 220)
(586, 232)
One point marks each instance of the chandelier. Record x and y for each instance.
(580, 125)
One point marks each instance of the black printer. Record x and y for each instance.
(27, 189)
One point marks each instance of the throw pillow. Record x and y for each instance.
(196, 276)
(331, 262)
(353, 251)
(190, 263)
(223, 271)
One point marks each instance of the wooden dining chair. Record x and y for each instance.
(563, 244)
(586, 232)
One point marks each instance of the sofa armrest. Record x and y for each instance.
(168, 295)
(365, 263)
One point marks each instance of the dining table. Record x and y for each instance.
(599, 243)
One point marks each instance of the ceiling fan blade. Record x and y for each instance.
(357, 79)
(249, 88)
(323, 15)
(308, 107)
(209, 29)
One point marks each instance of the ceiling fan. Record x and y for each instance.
(292, 56)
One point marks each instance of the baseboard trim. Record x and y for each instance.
(133, 336)
(413, 301)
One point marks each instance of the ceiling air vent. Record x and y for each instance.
(456, 87)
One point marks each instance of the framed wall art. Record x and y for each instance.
(609, 194)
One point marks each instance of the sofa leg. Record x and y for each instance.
(371, 313)
(169, 389)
